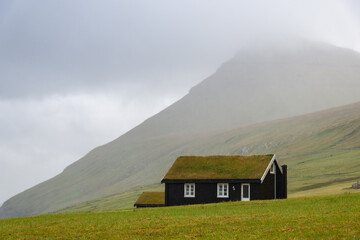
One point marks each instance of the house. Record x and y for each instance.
(211, 179)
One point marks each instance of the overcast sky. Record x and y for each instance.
(75, 74)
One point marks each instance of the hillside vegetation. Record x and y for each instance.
(257, 85)
(322, 151)
(330, 217)
(116, 201)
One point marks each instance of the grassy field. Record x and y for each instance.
(325, 217)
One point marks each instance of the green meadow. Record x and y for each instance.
(320, 217)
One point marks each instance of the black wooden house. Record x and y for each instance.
(211, 179)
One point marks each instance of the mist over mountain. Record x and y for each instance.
(260, 83)
(264, 82)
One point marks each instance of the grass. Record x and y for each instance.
(154, 198)
(336, 188)
(219, 167)
(325, 217)
(112, 202)
(323, 170)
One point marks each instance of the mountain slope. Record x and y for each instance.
(322, 151)
(258, 84)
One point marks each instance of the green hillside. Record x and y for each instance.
(322, 151)
(330, 217)
(257, 85)
(116, 201)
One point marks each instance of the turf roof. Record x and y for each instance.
(156, 198)
(218, 167)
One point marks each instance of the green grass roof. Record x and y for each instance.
(218, 167)
(156, 198)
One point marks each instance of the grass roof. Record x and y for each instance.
(218, 167)
(156, 198)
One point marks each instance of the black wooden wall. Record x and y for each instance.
(206, 193)
(267, 189)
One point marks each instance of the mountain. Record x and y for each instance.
(322, 150)
(261, 83)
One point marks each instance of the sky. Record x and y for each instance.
(76, 74)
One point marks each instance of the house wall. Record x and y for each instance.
(279, 183)
(267, 187)
(148, 205)
(282, 179)
(254, 191)
(205, 193)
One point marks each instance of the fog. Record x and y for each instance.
(77, 74)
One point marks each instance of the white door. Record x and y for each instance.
(245, 192)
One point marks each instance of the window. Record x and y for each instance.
(189, 190)
(272, 168)
(222, 190)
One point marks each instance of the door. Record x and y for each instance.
(245, 192)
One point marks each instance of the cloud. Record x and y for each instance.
(77, 74)
(50, 47)
(40, 137)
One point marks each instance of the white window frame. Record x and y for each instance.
(189, 194)
(220, 190)
(272, 169)
(242, 192)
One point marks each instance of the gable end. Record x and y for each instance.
(269, 166)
